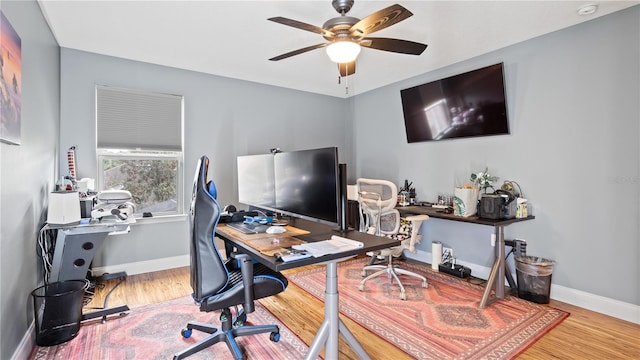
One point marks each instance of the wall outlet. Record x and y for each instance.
(447, 253)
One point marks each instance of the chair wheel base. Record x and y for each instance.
(274, 336)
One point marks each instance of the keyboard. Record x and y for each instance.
(252, 228)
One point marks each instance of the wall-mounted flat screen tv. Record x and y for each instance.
(465, 105)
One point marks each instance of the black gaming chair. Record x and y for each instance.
(219, 284)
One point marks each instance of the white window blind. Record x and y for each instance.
(133, 119)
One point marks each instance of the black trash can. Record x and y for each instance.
(57, 308)
(534, 278)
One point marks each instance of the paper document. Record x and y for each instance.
(334, 245)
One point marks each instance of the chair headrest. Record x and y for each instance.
(372, 188)
(211, 188)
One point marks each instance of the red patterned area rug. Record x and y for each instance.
(153, 332)
(442, 321)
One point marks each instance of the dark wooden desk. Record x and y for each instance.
(332, 326)
(500, 268)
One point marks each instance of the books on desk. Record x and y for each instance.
(334, 245)
(292, 254)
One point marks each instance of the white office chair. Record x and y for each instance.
(377, 200)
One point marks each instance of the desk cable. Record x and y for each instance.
(47, 245)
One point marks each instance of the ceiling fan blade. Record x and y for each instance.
(300, 25)
(394, 45)
(298, 52)
(380, 19)
(347, 69)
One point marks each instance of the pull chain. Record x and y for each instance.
(346, 80)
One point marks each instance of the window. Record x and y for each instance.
(139, 147)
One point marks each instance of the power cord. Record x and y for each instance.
(46, 246)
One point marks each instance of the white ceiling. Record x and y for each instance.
(234, 38)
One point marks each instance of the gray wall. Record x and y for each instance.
(223, 118)
(573, 106)
(27, 172)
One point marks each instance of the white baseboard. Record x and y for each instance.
(618, 309)
(26, 345)
(146, 266)
(607, 306)
(601, 304)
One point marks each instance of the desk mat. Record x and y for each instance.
(271, 245)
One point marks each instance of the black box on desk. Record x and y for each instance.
(497, 206)
(86, 206)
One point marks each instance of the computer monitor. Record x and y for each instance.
(303, 184)
(256, 180)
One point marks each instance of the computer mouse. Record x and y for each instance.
(276, 230)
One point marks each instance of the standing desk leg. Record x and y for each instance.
(332, 326)
(496, 277)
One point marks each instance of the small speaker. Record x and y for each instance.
(64, 208)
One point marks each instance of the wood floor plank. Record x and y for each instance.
(583, 335)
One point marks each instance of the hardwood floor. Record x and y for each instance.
(583, 335)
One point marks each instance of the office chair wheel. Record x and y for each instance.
(186, 333)
(274, 336)
(224, 315)
(240, 320)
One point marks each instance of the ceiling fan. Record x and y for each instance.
(346, 35)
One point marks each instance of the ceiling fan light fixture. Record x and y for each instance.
(343, 51)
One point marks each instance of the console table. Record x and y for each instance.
(500, 268)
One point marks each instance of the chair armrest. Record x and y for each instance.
(416, 223)
(246, 267)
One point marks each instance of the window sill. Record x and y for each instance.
(160, 219)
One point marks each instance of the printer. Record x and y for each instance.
(115, 203)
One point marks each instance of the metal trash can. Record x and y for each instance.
(534, 278)
(57, 308)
